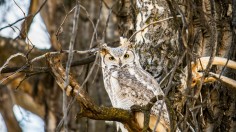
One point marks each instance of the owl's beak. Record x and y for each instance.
(120, 64)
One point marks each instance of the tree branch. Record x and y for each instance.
(83, 61)
(6, 109)
(88, 107)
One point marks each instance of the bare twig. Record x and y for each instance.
(28, 69)
(107, 21)
(213, 32)
(20, 69)
(19, 8)
(107, 6)
(95, 29)
(10, 25)
(70, 58)
(60, 27)
(88, 16)
(178, 61)
(64, 51)
(10, 58)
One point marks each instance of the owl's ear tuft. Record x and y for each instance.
(126, 43)
(131, 46)
(123, 41)
(103, 49)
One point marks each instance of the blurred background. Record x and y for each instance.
(31, 100)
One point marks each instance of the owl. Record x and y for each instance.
(127, 84)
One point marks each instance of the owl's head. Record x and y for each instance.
(118, 57)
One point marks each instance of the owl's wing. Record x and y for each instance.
(138, 87)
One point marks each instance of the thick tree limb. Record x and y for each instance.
(201, 65)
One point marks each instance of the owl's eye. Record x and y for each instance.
(111, 58)
(126, 56)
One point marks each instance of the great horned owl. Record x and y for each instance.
(127, 84)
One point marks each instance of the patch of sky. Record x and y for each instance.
(10, 13)
(2, 124)
(38, 35)
(28, 121)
